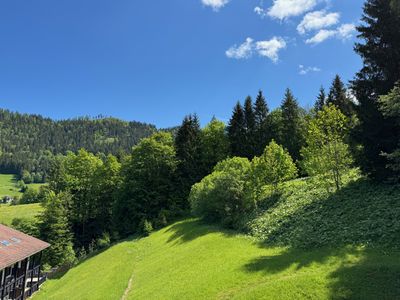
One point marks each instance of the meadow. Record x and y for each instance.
(8, 186)
(25, 211)
(303, 243)
(191, 260)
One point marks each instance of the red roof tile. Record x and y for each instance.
(15, 246)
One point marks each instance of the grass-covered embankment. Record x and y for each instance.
(310, 245)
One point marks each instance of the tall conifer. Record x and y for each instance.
(380, 52)
(237, 131)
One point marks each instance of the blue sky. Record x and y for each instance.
(155, 61)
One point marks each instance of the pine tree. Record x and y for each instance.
(292, 137)
(380, 52)
(55, 229)
(250, 127)
(321, 100)
(338, 97)
(262, 126)
(237, 131)
(188, 152)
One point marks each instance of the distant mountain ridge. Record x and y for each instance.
(29, 141)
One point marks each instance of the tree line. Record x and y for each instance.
(221, 172)
(29, 143)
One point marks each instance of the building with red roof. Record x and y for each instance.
(20, 264)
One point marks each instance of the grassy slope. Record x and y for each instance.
(8, 186)
(311, 245)
(9, 212)
(189, 260)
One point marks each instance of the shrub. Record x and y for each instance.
(146, 227)
(220, 196)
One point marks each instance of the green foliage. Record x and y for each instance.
(148, 185)
(390, 107)
(221, 196)
(189, 153)
(326, 155)
(237, 131)
(55, 229)
(30, 142)
(26, 225)
(146, 227)
(30, 195)
(321, 100)
(215, 144)
(338, 96)
(92, 184)
(272, 168)
(307, 216)
(292, 125)
(262, 124)
(379, 50)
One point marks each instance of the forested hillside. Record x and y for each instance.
(29, 142)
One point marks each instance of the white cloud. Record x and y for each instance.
(259, 11)
(321, 36)
(271, 48)
(244, 50)
(343, 32)
(215, 4)
(346, 31)
(283, 9)
(268, 48)
(305, 70)
(317, 20)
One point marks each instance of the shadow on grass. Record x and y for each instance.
(362, 213)
(190, 230)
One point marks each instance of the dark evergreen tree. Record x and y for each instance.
(380, 52)
(292, 135)
(237, 131)
(189, 155)
(262, 124)
(338, 97)
(321, 100)
(249, 117)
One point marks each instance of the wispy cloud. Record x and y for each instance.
(267, 48)
(242, 51)
(317, 20)
(215, 4)
(343, 32)
(305, 70)
(283, 9)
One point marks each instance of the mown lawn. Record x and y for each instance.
(9, 212)
(190, 260)
(8, 186)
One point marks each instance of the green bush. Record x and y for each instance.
(221, 196)
(273, 167)
(146, 227)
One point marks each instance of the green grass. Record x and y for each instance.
(9, 212)
(8, 186)
(190, 260)
(306, 244)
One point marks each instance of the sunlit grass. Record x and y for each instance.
(26, 211)
(189, 260)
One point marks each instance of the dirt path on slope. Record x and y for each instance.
(128, 289)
